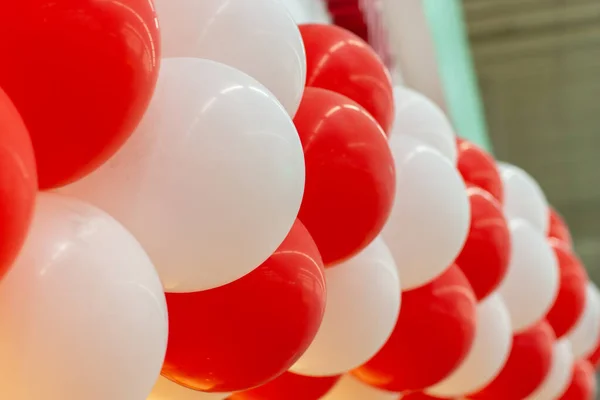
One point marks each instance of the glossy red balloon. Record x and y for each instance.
(527, 366)
(558, 228)
(594, 358)
(570, 301)
(583, 382)
(338, 60)
(350, 176)
(244, 334)
(479, 168)
(434, 333)
(18, 182)
(290, 386)
(81, 74)
(485, 256)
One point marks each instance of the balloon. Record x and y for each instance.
(349, 388)
(215, 165)
(585, 334)
(433, 335)
(429, 222)
(164, 389)
(18, 183)
(266, 45)
(81, 75)
(532, 261)
(420, 396)
(558, 229)
(363, 302)
(487, 355)
(252, 330)
(558, 378)
(421, 118)
(594, 357)
(290, 386)
(83, 312)
(570, 302)
(349, 174)
(340, 61)
(485, 256)
(583, 383)
(527, 366)
(523, 197)
(479, 168)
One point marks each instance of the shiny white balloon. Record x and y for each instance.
(421, 118)
(490, 350)
(82, 312)
(523, 197)
(532, 281)
(559, 377)
(430, 218)
(350, 388)
(363, 303)
(586, 333)
(258, 37)
(164, 389)
(211, 182)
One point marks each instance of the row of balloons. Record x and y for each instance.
(263, 215)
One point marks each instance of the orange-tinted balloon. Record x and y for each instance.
(558, 228)
(81, 74)
(350, 175)
(527, 366)
(18, 182)
(485, 256)
(583, 382)
(479, 168)
(290, 386)
(570, 302)
(338, 60)
(244, 334)
(434, 333)
(420, 396)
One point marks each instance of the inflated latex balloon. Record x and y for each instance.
(527, 366)
(82, 74)
(266, 45)
(559, 377)
(421, 396)
(290, 386)
(558, 228)
(83, 312)
(487, 356)
(594, 357)
(164, 389)
(340, 61)
(429, 222)
(18, 182)
(532, 260)
(215, 165)
(363, 301)
(433, 335)
(421, 118)
(583, 383)
(349, 388)
(350, 176)
(570, 302)
(523, 197)
(586, 333)
(485, 256)
(479, 168)
(259, 324)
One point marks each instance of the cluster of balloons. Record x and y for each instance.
(200, 199)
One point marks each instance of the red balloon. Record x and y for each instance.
(583, 382)
(244, 334)
(434, 333)
(485, 256)
(350, 176)
(594, 358)
(338, 60)
(479, 168)
(420, 396)
(570, 302)
(18, 182)
(527, 366)
(81, 74)
(558, 228)
(290, 386)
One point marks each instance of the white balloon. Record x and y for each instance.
(82, 312)
(211, 182)
(350, 388)
(164, 389)
(532, 280)
(559, 377)
(523, 197)
(430, 218)
(363, 303)
(421, 118)
(258, 37)
(490, 350)
(585, 334)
